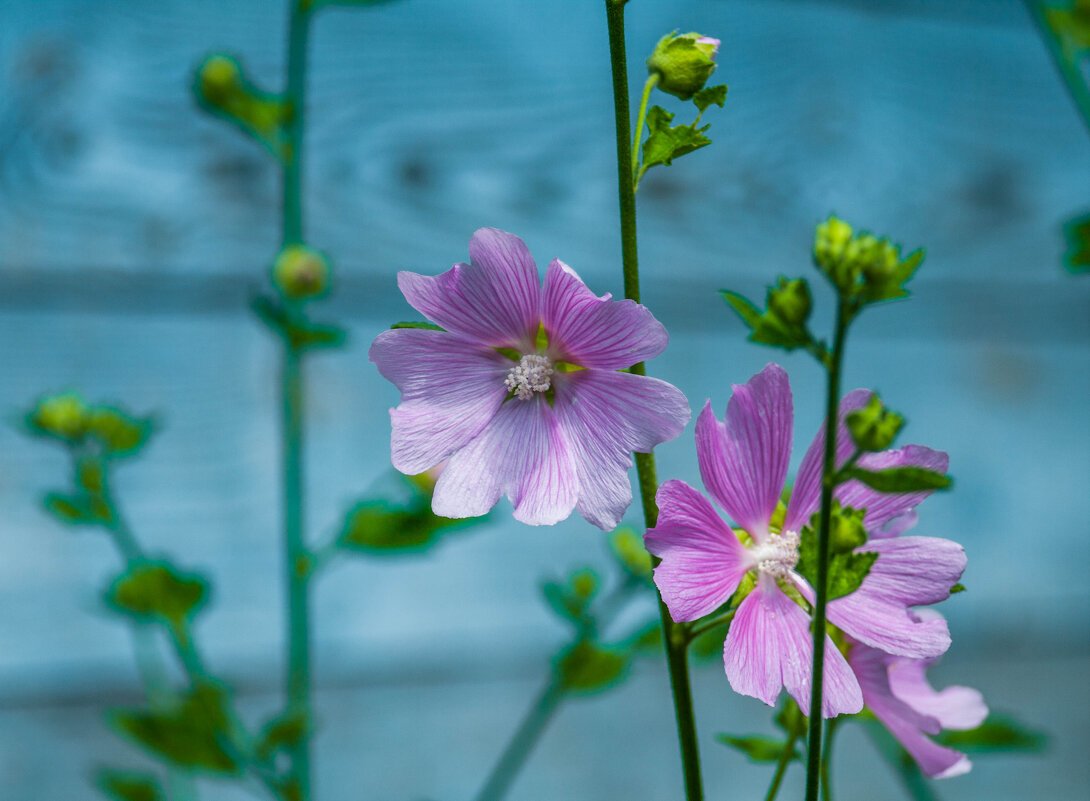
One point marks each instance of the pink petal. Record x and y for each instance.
(521, 453)
(605, 416)
(494, 300)
(596, 332)
(450, 389)
(955, 707)
(743, 460)
(769, 645)
(806, 493)
(702, 560)
(881, 506)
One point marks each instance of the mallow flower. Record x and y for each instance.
(743, 462)
(522, 392)
(896, 690)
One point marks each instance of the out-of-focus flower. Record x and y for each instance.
(683, 62)
(896, 690)
(743, 462)
(300, 273)
(521, 392)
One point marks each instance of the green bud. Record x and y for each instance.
(627, 546)
(584, 583)
(116, 431)
(300, 273)
(830, 241)
(882, 261)
(789, 301)
(683, 63)
(846, 531)
(874, 427)
(219, 79)
(63, 416)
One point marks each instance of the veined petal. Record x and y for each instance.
(769, 645)
(521, 453)
(806, 492)
(743, 460)
(702, 559)
(883, 507)
(954, 707)
(494, 300)
(605, 416)
(596, 331)
(450, 389)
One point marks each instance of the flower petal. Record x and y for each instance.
(806, 492)
(605, 416)
(743, 460)
(769, 645)
(954, 707)
(450, 389)
(494, 300)
(883, 506)
(521, 453)
(702, 559)
(596, 332)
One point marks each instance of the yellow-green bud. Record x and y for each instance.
(790, 302)
(874, 427)
(846, 531)
(219, 78)
(683, 63)
(584, 583)
(882, 262)
(628, 548)
(300, 273)
(63, 416)
(830, 241)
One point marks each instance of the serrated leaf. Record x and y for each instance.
(765, 329)
(709, 95)
(121, 785)
(82, 509)
(901, 479)
(846, 570)
(758, 749)
(280, 734)
(193, 735)
(998, 733)
(157, 591)
(665, 143)
(587, 667)
(419, 324)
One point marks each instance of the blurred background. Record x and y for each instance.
(134, 229)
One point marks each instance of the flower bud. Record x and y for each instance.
(219, 79)
(882, 261)
(300, 273)
(874, 427)
(789, 302)
(683, 62)
(63, 416)
(830, 241)
(846, 530)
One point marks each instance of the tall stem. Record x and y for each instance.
(522, 743)
(785, 759)
(296, 556)
(676, 643)
(828, 481)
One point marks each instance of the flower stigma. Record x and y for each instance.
(777, 554)
(532, 374)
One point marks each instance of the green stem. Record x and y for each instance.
(1067, 67)
(652, 82)
(826, 759)
(519, 747)
(295, 99)
(676, 644)
(828, 483)
(785, 759)
(707, 626)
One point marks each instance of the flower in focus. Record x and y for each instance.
(521, 392)
(896, 690)
(743, 462)
(683, 62)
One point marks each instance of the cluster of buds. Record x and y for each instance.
(69, 418)
(789, 302)
(854, 261)
(846, 530)
(300, 273)
(874, 427)
(683, 63)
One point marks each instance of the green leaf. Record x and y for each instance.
(959, 587)
(293, 326)
(892, 286)
(419, 324)
(90, 475)
(119, 433)
(749, 313)
(82, 509)
(711, 94)
(1077, 233)
(626, 545)
(846, 570)
(281, 733)
(571, 599)
(901, 479)
(665, 143)
(157, 591)
(998, 733)
(129, 786)
(758, 749)
(588, 667)
(381, 527)
(765, 329)
(647, 640)
(195, 734)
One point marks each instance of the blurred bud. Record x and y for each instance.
(63, 416)
(219, 79)
(830, 241)
(627, 546)
(881, 262)
(116, 431)
(683, 62)
(584, 583)
(874, 427)
(300, 273)
(846, 531)
(789, 302)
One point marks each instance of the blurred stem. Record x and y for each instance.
(296, 557)
(652, 82)
(831, 726)
(1067, 67)
(787, 755)
(519, 747)
(676, 644)
(828, 483)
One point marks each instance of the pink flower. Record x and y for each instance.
(896, 690)
(743, 462)
(521, 392)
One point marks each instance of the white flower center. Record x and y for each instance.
(777, 554)
(532, 374)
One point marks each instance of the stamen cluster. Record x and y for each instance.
(532, 374)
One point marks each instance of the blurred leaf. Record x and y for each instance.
(571, 599)
(646, 641)
(587, 667)
(419, 324)
(378, 526)
(626, 545)
(901, 479)
(293, 326)
(709, 95)
(129, 786)
(758, 749)
(1077, 232)
(90, 474)
(846, 570)
(892, 287)
(279, 734)
(665, 143)
(82, 509)
(193, 735)
(156, 591)
(997, 733)
(709, 645)
(119, 433)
